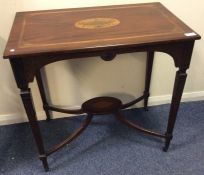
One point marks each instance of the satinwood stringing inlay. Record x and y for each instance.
(97, 23)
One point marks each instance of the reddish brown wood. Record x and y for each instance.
(137, 127)
(43, 95)
(26, 97)
(72, 136)
(41, 32)
(31, 64)
(149, 63)
(176, 98)
(101, 105)
(66, 111)
(127, 105)
(42, 37)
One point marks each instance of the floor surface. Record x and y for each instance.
(108, 147)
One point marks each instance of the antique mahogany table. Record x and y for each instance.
(38, 38)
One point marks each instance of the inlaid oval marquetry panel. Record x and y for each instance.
(97, 23)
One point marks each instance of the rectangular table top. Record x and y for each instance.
(70, 30)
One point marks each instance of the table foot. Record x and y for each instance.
(146, 101)
(165, 149)
(43, 158)
(48, 119)
(146, 108)
(48, 116)
(45, 165)
(167, 142)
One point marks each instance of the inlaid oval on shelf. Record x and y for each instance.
(97, 23)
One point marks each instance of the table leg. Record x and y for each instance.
(150, 59)
(30, 110)
(175, 102)
(43, 94)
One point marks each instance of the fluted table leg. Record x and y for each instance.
(175, 102)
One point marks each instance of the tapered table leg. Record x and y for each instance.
(43, 94)
(149, 63)
(175, 102)
(30, 110)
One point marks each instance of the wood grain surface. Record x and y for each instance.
(49, 31)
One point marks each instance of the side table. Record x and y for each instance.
(38, 38)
